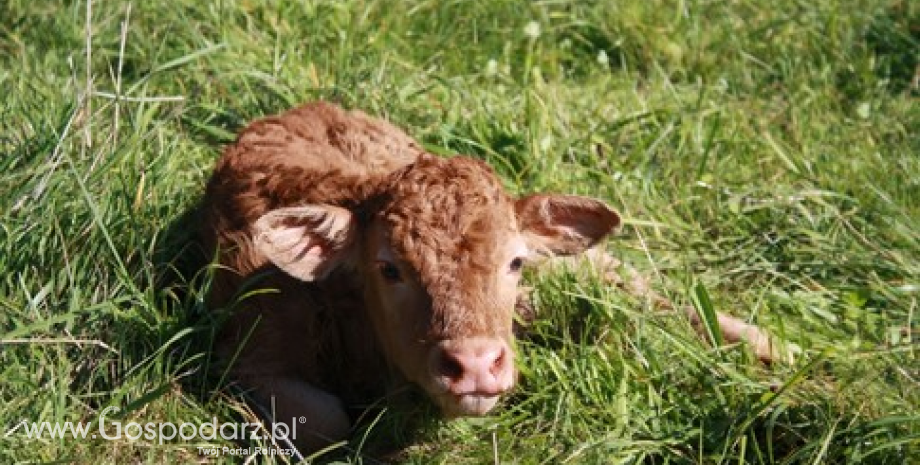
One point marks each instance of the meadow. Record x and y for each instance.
(765, 157)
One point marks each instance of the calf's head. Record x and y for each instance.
(439, 250)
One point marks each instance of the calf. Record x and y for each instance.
(351, 259)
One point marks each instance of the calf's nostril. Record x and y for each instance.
(498, 365)
(450, 366)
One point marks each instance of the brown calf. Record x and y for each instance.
(380, 259)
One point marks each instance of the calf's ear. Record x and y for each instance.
(306, 242)
(564, 224)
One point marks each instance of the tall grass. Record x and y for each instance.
(766, 153)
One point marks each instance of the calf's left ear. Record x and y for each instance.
(306, 242)
(564, 224)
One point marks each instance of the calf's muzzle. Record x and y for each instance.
(473, 372)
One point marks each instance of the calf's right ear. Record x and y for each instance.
(564, 224)
(306, 242)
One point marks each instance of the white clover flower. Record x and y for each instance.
(532, 30)
(492, 67)
(602, 58)
(546, 143)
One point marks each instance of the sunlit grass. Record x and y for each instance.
(765, 152)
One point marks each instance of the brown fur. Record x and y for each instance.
(316, 153)
(329, 196)
(440, 231)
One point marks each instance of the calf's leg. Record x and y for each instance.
(315, 418)
(625, 277)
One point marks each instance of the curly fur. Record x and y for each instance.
(439, 213)
(441, 228)
(447, 221)
(318, 153)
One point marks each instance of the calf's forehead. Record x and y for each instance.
(451, 221)
(448, 216)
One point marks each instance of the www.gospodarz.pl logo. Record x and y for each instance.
(160, 432)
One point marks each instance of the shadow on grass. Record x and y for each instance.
(894, 37)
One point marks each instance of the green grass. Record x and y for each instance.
(764, 152)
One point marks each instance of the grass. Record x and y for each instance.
(765, 154)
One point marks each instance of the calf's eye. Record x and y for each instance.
(388, 271)
(516, 265)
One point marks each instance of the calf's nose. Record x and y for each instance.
(482, 366)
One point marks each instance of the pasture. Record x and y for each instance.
(764, 156)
